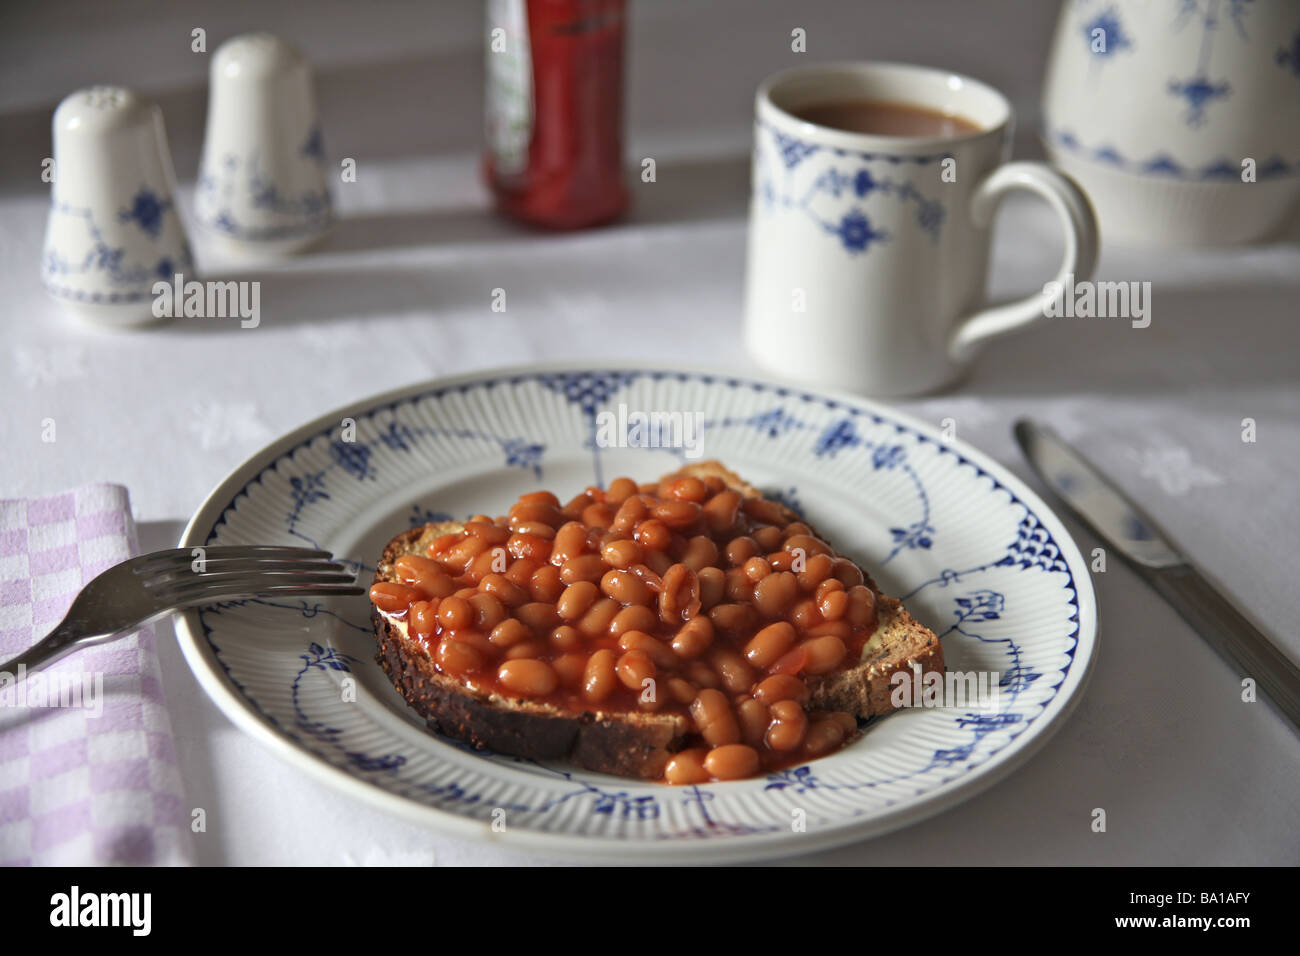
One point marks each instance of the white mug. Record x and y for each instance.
(868, 254)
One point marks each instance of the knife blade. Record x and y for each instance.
(1091, 498)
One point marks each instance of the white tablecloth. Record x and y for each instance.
(1186, 771)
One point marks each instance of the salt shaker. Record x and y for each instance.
(113, 230)
(262, 188)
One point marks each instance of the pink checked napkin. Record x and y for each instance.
(94, 779)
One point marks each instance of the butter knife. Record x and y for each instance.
(1122, 526)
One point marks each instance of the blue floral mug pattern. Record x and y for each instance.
(868, 253)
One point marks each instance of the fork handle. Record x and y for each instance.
(61, 641)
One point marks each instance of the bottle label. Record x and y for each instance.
(509, 100)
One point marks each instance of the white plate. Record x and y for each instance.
(977, 556)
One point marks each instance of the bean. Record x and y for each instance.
(687, 767)
(659, 653)
(824, 735)
(805, 615)
(569, 669)
(833, 605)
(765, 647)
(521, 571)
(455, 612)
(576, 600)
(714, 718)
(525, 649)
(595, 623)
(840, 629)
(620, 489)
(768, 537)
(765, 511)
(736, 674)
(485, 564)
(504, 590)
(792, 662)
(756, 568)
(677, 515)
(393, 598)
(807, 543)
(541, 617)
(565, 638)
(634, 668)
(713, 583)
(848, 573)
(680, 599)
(733, 618)
(732, 762)
(543, 512)
(599, 679)
(788, 727)
(721, 511)
(775, 593)
(824, 653)
(510, 632)
(531, 546)
(739, 550)
(488, 611)
(701, 674)
(630, 513)
(535, 529)
(636, 617)
(681, 690)
(738, 585)
(862, 607)
(488, 532)
(539, 497)
(423, 619)
(781, 687)
(700, 553)
(424, 574)
(569, 542)
(457, 657)
(622, 553)
(585, 567)
(753, 719)
(625, 587)
(654, 535)
(693, 639)
(816, 569)
(687, 488)
(532, 678)
(545, 584)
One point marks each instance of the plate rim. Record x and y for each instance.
(211, 675)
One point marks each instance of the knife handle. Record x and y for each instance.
(1233, 636)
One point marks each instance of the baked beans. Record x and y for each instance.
(679, 596)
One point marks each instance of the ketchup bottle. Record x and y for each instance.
(555, 110)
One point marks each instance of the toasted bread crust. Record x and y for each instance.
(628, 744)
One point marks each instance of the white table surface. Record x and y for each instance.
(1186, 771)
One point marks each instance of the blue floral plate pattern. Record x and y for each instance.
(975, 554)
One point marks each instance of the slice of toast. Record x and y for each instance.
(637, 744)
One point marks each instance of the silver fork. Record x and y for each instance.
(146, 588)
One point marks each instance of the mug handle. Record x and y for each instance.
(1080, 258)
